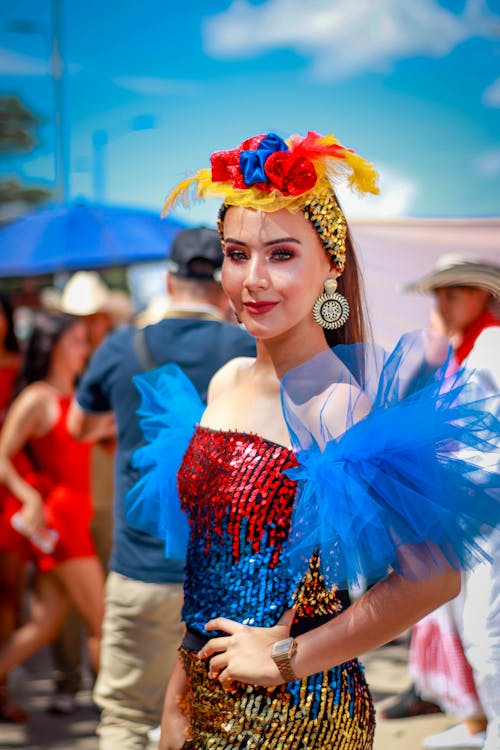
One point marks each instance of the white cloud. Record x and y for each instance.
(15, 64)
(397, 196)
(342, 37)
(151, 86)
(488, 164)
(491, 96)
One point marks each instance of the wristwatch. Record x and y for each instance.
(282, 653)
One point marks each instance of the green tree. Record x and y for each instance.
(17, 136)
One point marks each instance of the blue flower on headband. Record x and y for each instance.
(252, 162)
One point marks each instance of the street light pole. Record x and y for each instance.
(61, 170)
(60, 151)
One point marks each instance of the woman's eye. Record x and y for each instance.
(236, 255)
(282, 253)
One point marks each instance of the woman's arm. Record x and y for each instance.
(26, 417)
(382, 613)
(84, 425)
(174, 725)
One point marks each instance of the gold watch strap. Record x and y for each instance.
(284, 660)
(285, 667)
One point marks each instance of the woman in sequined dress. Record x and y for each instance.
(285, 238)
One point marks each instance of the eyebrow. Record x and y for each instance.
(277, 241)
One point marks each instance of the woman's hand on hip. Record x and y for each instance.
(244, 655)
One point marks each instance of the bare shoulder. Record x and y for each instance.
(35, 404)
(330, 412)
(228, 375)
(34, 395)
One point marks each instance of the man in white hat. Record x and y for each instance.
(86, 295)
(466, 292)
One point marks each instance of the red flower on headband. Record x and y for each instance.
(290, 174)
(226, 164)
(223, 164)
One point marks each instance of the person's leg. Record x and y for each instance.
(141, 633)
(67, 648)
(460, 680)
(67, 661)
(11, 588)
(482, 636)
(101, 526)
(83, 581)
(48, 608)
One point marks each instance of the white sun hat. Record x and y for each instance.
(457, 270)
(84, 294)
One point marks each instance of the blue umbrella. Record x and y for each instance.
(83, 236)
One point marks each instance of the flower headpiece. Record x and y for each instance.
(268, 173)
(299, 174)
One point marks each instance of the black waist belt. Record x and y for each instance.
(194, 640)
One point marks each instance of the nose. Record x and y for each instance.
(256, 276)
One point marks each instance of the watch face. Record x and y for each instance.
(282, 647)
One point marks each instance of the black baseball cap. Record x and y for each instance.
(196, 254)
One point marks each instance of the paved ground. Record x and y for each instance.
(385, 668)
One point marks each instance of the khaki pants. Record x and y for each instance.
(141, 634)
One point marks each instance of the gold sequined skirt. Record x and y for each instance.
(332, 710)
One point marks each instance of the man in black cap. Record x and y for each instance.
(142, 626)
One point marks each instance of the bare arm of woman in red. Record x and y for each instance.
(30, 415)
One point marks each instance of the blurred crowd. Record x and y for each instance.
(53, 487)
(63, 459)
(57, 520)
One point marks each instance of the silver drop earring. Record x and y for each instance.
(331, 309)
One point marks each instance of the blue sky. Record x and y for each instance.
(412, 85)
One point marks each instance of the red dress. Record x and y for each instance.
(7, 379)
(62, 476)
(10, 541)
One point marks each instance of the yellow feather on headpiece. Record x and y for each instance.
(267, 173)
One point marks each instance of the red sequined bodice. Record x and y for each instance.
(239, 504)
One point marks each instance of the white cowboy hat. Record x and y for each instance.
(457, 270)
(84, 294)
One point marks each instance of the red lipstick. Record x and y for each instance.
(259, 308)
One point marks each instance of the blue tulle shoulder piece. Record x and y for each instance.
(169, 411)
(398, 461)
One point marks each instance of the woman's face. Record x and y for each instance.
(72, 349)
(274, 268)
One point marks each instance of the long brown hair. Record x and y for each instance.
(350, 285)
(47, 329)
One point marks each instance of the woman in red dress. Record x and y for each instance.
(52, 501)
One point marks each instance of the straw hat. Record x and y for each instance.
(457, 270)
(84, 294)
